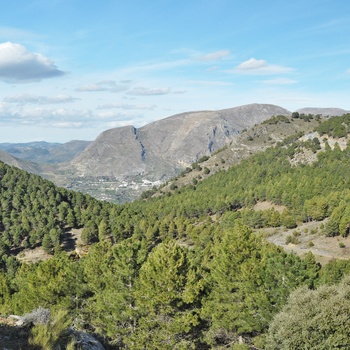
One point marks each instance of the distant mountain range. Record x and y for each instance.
(45, 152)
(153, 153)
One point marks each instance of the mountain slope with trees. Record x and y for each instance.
(183, 270)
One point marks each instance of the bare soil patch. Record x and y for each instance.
(309, 237)
(268, 205)
(33, 255)
(69, 244)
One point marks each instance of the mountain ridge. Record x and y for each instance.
(126, 161)
(162, 148)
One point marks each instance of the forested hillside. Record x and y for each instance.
(184, 269)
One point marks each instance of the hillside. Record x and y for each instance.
(250, 141)
(19, 163)
(186, 269)
(124, 162)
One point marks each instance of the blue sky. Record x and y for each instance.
(70, 69)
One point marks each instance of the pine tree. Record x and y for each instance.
(237, 303)
(165, 297)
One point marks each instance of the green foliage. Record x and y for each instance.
(334, 271)
(276, 119)
(202, 159)
(55, 281)
(336, 126)
(165, 295)
(249, 281)
(316, 208)
(52, 335)
(317, 319)
(34, 211)
(181, 270)
(110, 274)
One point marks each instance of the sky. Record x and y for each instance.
(71, 69)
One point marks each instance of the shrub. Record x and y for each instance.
(53, 334)
(313, 319)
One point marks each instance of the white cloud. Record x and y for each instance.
(126, 106)
(279, 81)
(142, 91)
(27, 98)
(252, 64)
(17, 64)
(106, 85)
(214, 56)
(13, 115)
(259, 67)
(210, 83)
(68, 125)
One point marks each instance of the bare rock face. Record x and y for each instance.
(163, 148)
(38, 316)
(85, 341)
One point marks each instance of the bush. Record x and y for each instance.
(203, 159)
(292, 239)
(53, 334)
(173, 187)
(313, 319)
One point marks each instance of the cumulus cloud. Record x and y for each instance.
(142, 91)
(105, 85)
(27, 98)
(259, 67)
(214, 56)
(17, 64)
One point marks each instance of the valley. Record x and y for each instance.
(197, 259)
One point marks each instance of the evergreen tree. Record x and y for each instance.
(165, 299)
(237, 304)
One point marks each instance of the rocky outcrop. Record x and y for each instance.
(41, 316)
(85, 341)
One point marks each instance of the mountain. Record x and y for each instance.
(326, 112)
(161, 149)
(19, 163)
(194, 268)
(45, 152)
(249, 142)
